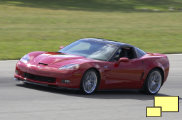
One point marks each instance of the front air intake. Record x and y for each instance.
(40, 78)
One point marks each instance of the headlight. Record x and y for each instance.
(69, 67)
(25, 58)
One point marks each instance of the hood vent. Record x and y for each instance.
(42, 63)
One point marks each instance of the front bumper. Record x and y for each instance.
(47, 76)
(45, 85)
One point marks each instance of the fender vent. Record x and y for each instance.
(142, 76)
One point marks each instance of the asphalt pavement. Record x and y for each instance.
(20, 102)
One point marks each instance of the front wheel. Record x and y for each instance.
(89, 82)
(153, 82)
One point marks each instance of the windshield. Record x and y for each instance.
(90, 49)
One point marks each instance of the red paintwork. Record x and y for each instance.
(113, 75)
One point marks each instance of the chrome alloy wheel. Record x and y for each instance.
(154, 82)
(90, 82)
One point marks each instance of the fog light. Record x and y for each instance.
(65, 81)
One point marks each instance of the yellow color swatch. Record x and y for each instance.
(168, 103)
(154, 111)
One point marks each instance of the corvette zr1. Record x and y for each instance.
(92, 64)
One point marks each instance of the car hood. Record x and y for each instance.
(55, 59)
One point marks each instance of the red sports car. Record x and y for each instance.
(92, 64)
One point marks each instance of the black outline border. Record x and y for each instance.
(167, 96)
(154, 107)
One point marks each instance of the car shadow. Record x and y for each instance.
(107, 94)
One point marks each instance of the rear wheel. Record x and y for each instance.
(89, 82)
(153, 82)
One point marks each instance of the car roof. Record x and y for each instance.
(107, 41)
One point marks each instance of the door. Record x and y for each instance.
(125, 74)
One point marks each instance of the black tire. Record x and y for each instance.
(153, 82)
(86, 81)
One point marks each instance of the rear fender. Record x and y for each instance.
(152, 63)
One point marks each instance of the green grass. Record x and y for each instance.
(34, 25)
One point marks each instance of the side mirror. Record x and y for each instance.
(123, 59)
(61, 47)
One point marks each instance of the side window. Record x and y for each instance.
(117, 55)
(128, 52)
(140, 52)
